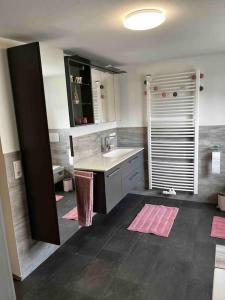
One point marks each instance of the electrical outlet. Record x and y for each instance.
(17, 169)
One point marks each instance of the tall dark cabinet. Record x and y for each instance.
(30, 107)
(79, 90)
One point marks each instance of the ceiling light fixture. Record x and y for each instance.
(144, 19)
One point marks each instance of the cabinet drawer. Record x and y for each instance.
(131, 164)
(113, 187)
(131, 181)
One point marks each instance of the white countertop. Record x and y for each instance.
(100, 163)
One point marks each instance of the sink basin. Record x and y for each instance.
(116, 153)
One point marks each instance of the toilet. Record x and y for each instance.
(58, 173)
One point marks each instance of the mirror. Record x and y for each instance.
(55, 88)
(91, 92)
(103, 93)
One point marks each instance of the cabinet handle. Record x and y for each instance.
(133, 159)
(113, 173)
(133, 176)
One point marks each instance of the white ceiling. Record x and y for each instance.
(93, 28)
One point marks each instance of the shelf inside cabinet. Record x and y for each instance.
(80, 92)
(80, 84)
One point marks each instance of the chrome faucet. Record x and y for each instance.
(107, 144)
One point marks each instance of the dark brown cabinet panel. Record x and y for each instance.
(29, 98)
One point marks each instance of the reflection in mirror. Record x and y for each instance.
(53, 71)
(103, 91)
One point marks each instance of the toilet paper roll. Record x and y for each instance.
(215, 162)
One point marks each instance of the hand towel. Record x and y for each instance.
(84, 196)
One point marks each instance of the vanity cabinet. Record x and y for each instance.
(132, 173)
(113, 185)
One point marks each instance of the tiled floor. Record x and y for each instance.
(106, 261)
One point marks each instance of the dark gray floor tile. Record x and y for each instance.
(138, 267)
(188, 215)
(196, 289)
(86, 245)
(106, 261)
(150, 239)
(121, 241)
(172, 273)
(204, 253)
(96, 278)
(60, 271)
(122, 289)
(182, 235)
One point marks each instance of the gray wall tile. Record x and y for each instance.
(88, 145)
(33, 253)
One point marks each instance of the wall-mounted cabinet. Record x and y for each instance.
(92, 92)
(53, 92)
(30, 106)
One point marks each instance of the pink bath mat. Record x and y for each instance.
(218, 228)
(72, 214)
(156, 219)
(58, 197)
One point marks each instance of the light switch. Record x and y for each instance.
(17, 169)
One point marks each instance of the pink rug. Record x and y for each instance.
(156, 219)
(58, 197)
(72, 214)
(218, 228)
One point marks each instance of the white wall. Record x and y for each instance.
(7, 212)
(8, 143)
(212, 99)
(8, 129)
(53, 71)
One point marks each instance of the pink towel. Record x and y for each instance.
(84, 195)
(218, 228)
(156, 219)
(72, 214)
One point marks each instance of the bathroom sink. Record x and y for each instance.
(116, 153)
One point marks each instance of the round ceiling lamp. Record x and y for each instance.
(144, 19)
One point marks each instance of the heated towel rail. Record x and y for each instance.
(173, 130)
